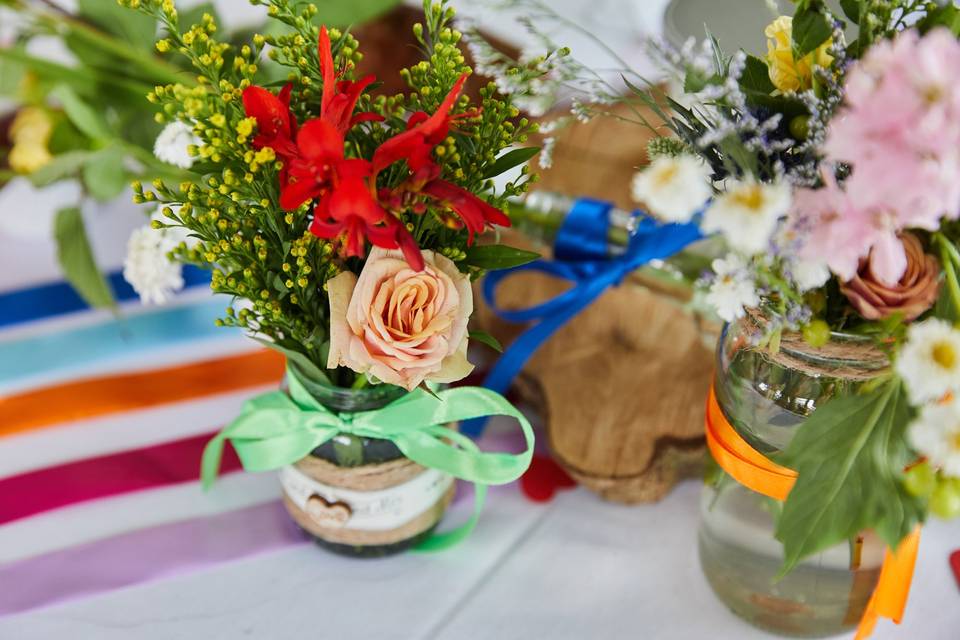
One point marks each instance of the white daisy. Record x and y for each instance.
(674, 188)
(148, 268)
(733, 289)
(929, 362)
(173, 143)
(747, 214)
(936, 435)
(809, 275)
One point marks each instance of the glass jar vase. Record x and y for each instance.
(360, 496)
(766, 397)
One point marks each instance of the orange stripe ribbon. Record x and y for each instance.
(111, 394)
(755, 471)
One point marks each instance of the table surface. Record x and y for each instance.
(576, 567)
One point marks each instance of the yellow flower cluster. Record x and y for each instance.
(786, 72)
(30, 133)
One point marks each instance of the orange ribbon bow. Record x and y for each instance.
(755, 471)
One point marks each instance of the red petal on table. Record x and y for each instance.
(544, 477)
(955, 565)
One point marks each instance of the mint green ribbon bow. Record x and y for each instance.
(277, 429)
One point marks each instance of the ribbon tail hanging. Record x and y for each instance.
(889, 599)
(758, 473)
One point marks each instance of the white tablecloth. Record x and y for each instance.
(574, 568)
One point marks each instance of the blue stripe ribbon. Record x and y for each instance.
(59, 298)
(78, 348)
(581, 257)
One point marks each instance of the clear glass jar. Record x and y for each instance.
(346, 465)
(765, 398)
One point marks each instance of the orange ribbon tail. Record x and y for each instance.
(755, 471)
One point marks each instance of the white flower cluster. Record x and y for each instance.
(148, 267)
(173, 144)
(733, 289)
(929, 365)
(746, 213)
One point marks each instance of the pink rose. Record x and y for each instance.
(398, 325)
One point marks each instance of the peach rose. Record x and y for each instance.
(398, 325)
(915, 293)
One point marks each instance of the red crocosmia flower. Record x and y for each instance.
(314, 166)
(416, 144)
(276, 126)
(340, 97)
(349, 211)
(474, 212)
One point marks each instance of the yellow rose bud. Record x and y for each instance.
(32, 126)
(28, 157)
(787, 73)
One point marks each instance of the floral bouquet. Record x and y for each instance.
(343, 225)
(830, 168)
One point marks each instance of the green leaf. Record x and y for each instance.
(946, 16)
(62, 166)
(756, 77)
(81, 114)
(851, 9)
(11, 75)
(509, 160)
(77, 261)
(487, 339)
(810, 30)
(498, 256)
(104, 174)
(309, 373)
(849, 455)
(134, 27)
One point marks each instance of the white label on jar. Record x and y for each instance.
(380, 510)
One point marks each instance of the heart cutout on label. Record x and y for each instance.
(326, 513)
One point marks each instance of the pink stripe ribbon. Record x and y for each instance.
(144, 555)
(114, 474)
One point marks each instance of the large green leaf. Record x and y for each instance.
(104, 174)
(77, 261)
(81, 114)
(848, 456)
(135, 28)
(498, 256)
(755, 78)
(509, 160)
(810, 30)
(851, 9)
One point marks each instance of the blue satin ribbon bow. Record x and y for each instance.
(580, 256)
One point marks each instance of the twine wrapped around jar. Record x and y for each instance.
(852, 358)
(329, 520)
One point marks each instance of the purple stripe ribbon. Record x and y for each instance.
(147, 554)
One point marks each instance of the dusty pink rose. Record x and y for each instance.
(915, 292)
(398, 325)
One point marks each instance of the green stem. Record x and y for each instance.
(951, 260)
(153, 67)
